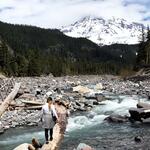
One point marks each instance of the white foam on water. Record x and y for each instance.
(98, 119)
(99, 113)
(117, 107)
(80, 122)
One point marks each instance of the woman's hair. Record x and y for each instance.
(60, 102)
(49, 99)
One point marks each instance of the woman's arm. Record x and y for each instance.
(54, 111)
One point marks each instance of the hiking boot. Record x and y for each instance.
(46, 142)
(51, 138)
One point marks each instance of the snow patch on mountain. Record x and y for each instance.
(105, 31)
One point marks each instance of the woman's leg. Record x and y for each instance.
(46, 135)
(51, 134)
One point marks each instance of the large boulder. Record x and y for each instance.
(81, 89)
(138, 114)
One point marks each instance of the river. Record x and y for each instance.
(90, 128)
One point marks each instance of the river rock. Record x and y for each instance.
(14, 124)
(138, 139)
(67, 89)
(98, 86)
(91, 102)
(1, 128)
(90, 95)
(100, 97)
(49, 93)
(147, 120)
(38, 91)
(116, 119)
(143, 105)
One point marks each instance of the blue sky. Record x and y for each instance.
(57, 13)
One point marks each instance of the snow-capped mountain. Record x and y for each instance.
(105, 31)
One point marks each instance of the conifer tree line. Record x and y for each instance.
(143, 56)
(33, 51)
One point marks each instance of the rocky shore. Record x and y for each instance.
(81, 92)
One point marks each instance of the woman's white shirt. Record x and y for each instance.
(45, 109)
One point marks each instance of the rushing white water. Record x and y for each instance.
(119, 105)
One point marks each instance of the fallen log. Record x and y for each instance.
(33, 107)
(9, 98)
(16, 105)
(32, 102)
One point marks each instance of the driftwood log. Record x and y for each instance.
(9, 98)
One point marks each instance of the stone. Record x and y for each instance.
(138, 114)
(83, 146)
(100, 97)
(38, 91)
(138, 139)
(49, 93)
(143, 105)
(1, 128)
(116, 119)
(98, 86)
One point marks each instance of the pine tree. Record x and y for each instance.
(148, 34)
(141, 57)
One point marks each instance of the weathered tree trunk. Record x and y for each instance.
(9, 98)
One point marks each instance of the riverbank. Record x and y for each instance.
(81, 92)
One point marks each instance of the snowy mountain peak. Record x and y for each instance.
(105, 31)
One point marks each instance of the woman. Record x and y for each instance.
(63, 114)
(48, 111)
